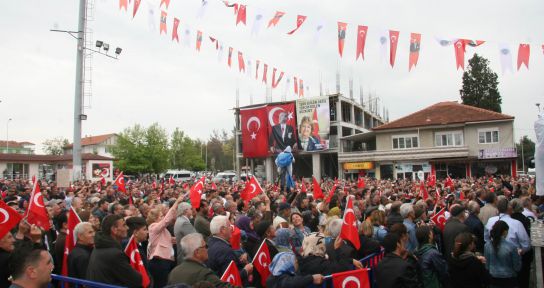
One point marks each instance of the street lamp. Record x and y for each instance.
(7, 135)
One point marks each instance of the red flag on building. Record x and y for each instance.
(351, 279)
(198, 40)
(265, 72)
(295, 81)
(70, 242)
(318, 193)
(415, 43)
(120, 183)
(241, 64)
(229, 60)
(439, 219)
(165, 2)
(175, 30)
(393, 41)
(36, 212)
(361, 183)
(252, 189)
(262, 261)
(196, 193)
(163, 22)
(135, 8)
(349, 226)
(315, 124)
(123, 3)
(235, 237)
(274, 21)
(524, 51)
(341, 36)
(136, 260)
(9, 218)
(241, 14)
(232, 275)
(254, 132)
(361, 40)
(300, 21)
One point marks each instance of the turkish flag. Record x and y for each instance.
(265, 71)
(9, 218)
(262, 261)
(166, 2)
(449, 183)
(361, 182)
(439, 219)
(241, 64)
(318, 193)
(331, 193)
(415, 44)
(349, 226)
(524, 51)
(274, 81)
(171, 180)
(235, 237)
(120, 183)
(123, 3)
(460, 53)
(341, 36)
(303, 187)
(424, 191)
(163, 22)
(136, 260)
(393, 41)
(175, 30)
(300, 20)
(70, 243)
(36, 212)
(254, 132)
(252, 189)
(232, 275)
(198, 40)
(274, 128)
(241, 14)
(196, 193)
(431, 180)
(351, 279)
(361, 40)
(274, 21)
(136, 6)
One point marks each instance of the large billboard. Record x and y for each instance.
(314, 124)
(282, 129)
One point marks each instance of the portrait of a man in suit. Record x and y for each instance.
(282, 135)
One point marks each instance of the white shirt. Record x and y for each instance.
(516, 232)
(529, 214)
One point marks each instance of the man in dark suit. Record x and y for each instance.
(454, 227)
(282, 135)
(183, 227)
(394, 271)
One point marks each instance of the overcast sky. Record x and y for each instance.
(157, 80)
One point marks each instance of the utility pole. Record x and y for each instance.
(522, 155)
(78, 108)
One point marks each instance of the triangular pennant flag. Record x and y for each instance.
(361, 40)
(229, 61)
(175, 30)
(276, 82)
(123, 4)
(70, 242)
(165, 2)
(257, 69)
(301, 88)
(265, 71)
(241, 64)
(163, 22)
(274, 21)
(300, 21)
(295, 81)
(136, 260)
(198, 40)
(349, 225)
(415, 43)
(135, 8)
(241, 15)
(460, 53)
(341, 36)
(393, 41)
(524, 51)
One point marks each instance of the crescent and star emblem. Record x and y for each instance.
(36, 197)
(6, 215)
(351, 279)
(251, 120)
(231, 279)
(271, 115)
(260, 259)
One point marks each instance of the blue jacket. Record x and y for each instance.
(432, 266)
(219, 256)
(504, 264)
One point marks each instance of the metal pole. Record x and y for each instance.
(522, 156)
(206, 156)
(78, 109)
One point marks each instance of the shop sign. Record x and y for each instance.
(494, 153)
(359, 166)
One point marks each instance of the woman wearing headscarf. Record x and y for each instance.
(314, 259)
(252, 239)
(283, 240)
(283, 273)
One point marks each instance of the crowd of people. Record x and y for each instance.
(482, 240)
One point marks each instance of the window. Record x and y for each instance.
(488, 136)
(444, 139)
(405, 142)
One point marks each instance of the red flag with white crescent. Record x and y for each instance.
(262, 261)
(232, 275)
(136, 260)
(254, 131)
(361, 40)
(524, 51)
(341, 36)
(36, 212)
(252, 189)
(70, 242)
(175, 30)
(300, 21)
(393, 41)
(241, 15)
(135, 8)
(349, 225)
(318, 193)
(351, 279)
(9, 218)
(195, 194)
(241, 64)
(459, 46)
(120, 183)
(163, 22)
(439, 219)
(274, 21)
(235, 237)
(415, 44)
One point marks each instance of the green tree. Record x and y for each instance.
(480, 85)
(55, 146)
(528, 152)
(185, 152)
(220, 151)
(157, 148)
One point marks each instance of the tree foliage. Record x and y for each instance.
(220, 151)
(528, 152)
(480, 85)
(185, 153)
(55, 146)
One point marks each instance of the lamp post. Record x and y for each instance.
(7, 135)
